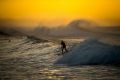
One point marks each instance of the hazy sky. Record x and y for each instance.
(59, 12)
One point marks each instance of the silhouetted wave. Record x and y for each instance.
(92, 52)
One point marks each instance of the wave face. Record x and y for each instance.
(91, 52)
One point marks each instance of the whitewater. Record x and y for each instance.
(92, 52)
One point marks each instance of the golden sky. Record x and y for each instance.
(59, 12)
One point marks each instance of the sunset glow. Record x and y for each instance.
(60, 12)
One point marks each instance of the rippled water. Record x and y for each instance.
(30, 72)
(21, 60)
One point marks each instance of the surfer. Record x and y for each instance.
(63, 47)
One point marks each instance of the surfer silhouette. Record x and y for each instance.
(63, 47)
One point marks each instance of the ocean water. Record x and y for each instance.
(23, 59)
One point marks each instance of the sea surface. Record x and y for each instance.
(26, 59)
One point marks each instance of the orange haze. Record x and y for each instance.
(59, 12)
